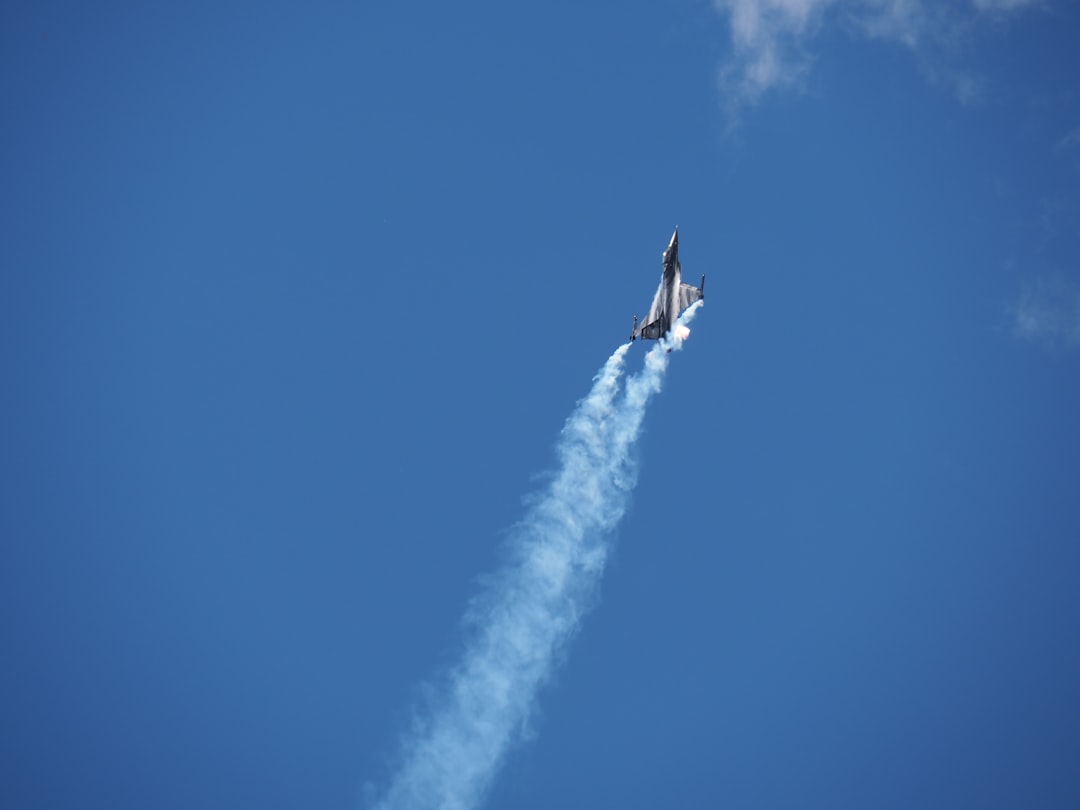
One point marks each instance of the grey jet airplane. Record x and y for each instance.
(672, 297)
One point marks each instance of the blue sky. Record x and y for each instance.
(294, 302)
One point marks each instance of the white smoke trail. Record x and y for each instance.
(523, 622)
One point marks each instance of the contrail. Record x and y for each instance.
(521, 624)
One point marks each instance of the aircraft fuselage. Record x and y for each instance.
(672, 296)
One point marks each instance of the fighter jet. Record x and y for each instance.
(672, 297)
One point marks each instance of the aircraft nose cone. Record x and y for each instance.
(675, 238)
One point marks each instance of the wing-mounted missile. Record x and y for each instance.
(633, 331)
(702, 287)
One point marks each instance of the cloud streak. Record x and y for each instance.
(766, 39)
(520, 626)
(1049, 311)
(770, 39)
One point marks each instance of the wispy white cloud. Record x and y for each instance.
(1004, 5)
(770, 39)
(1068, 147)
(767, 39)
(1070, 142)
(903, 21)
(1048, 311)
